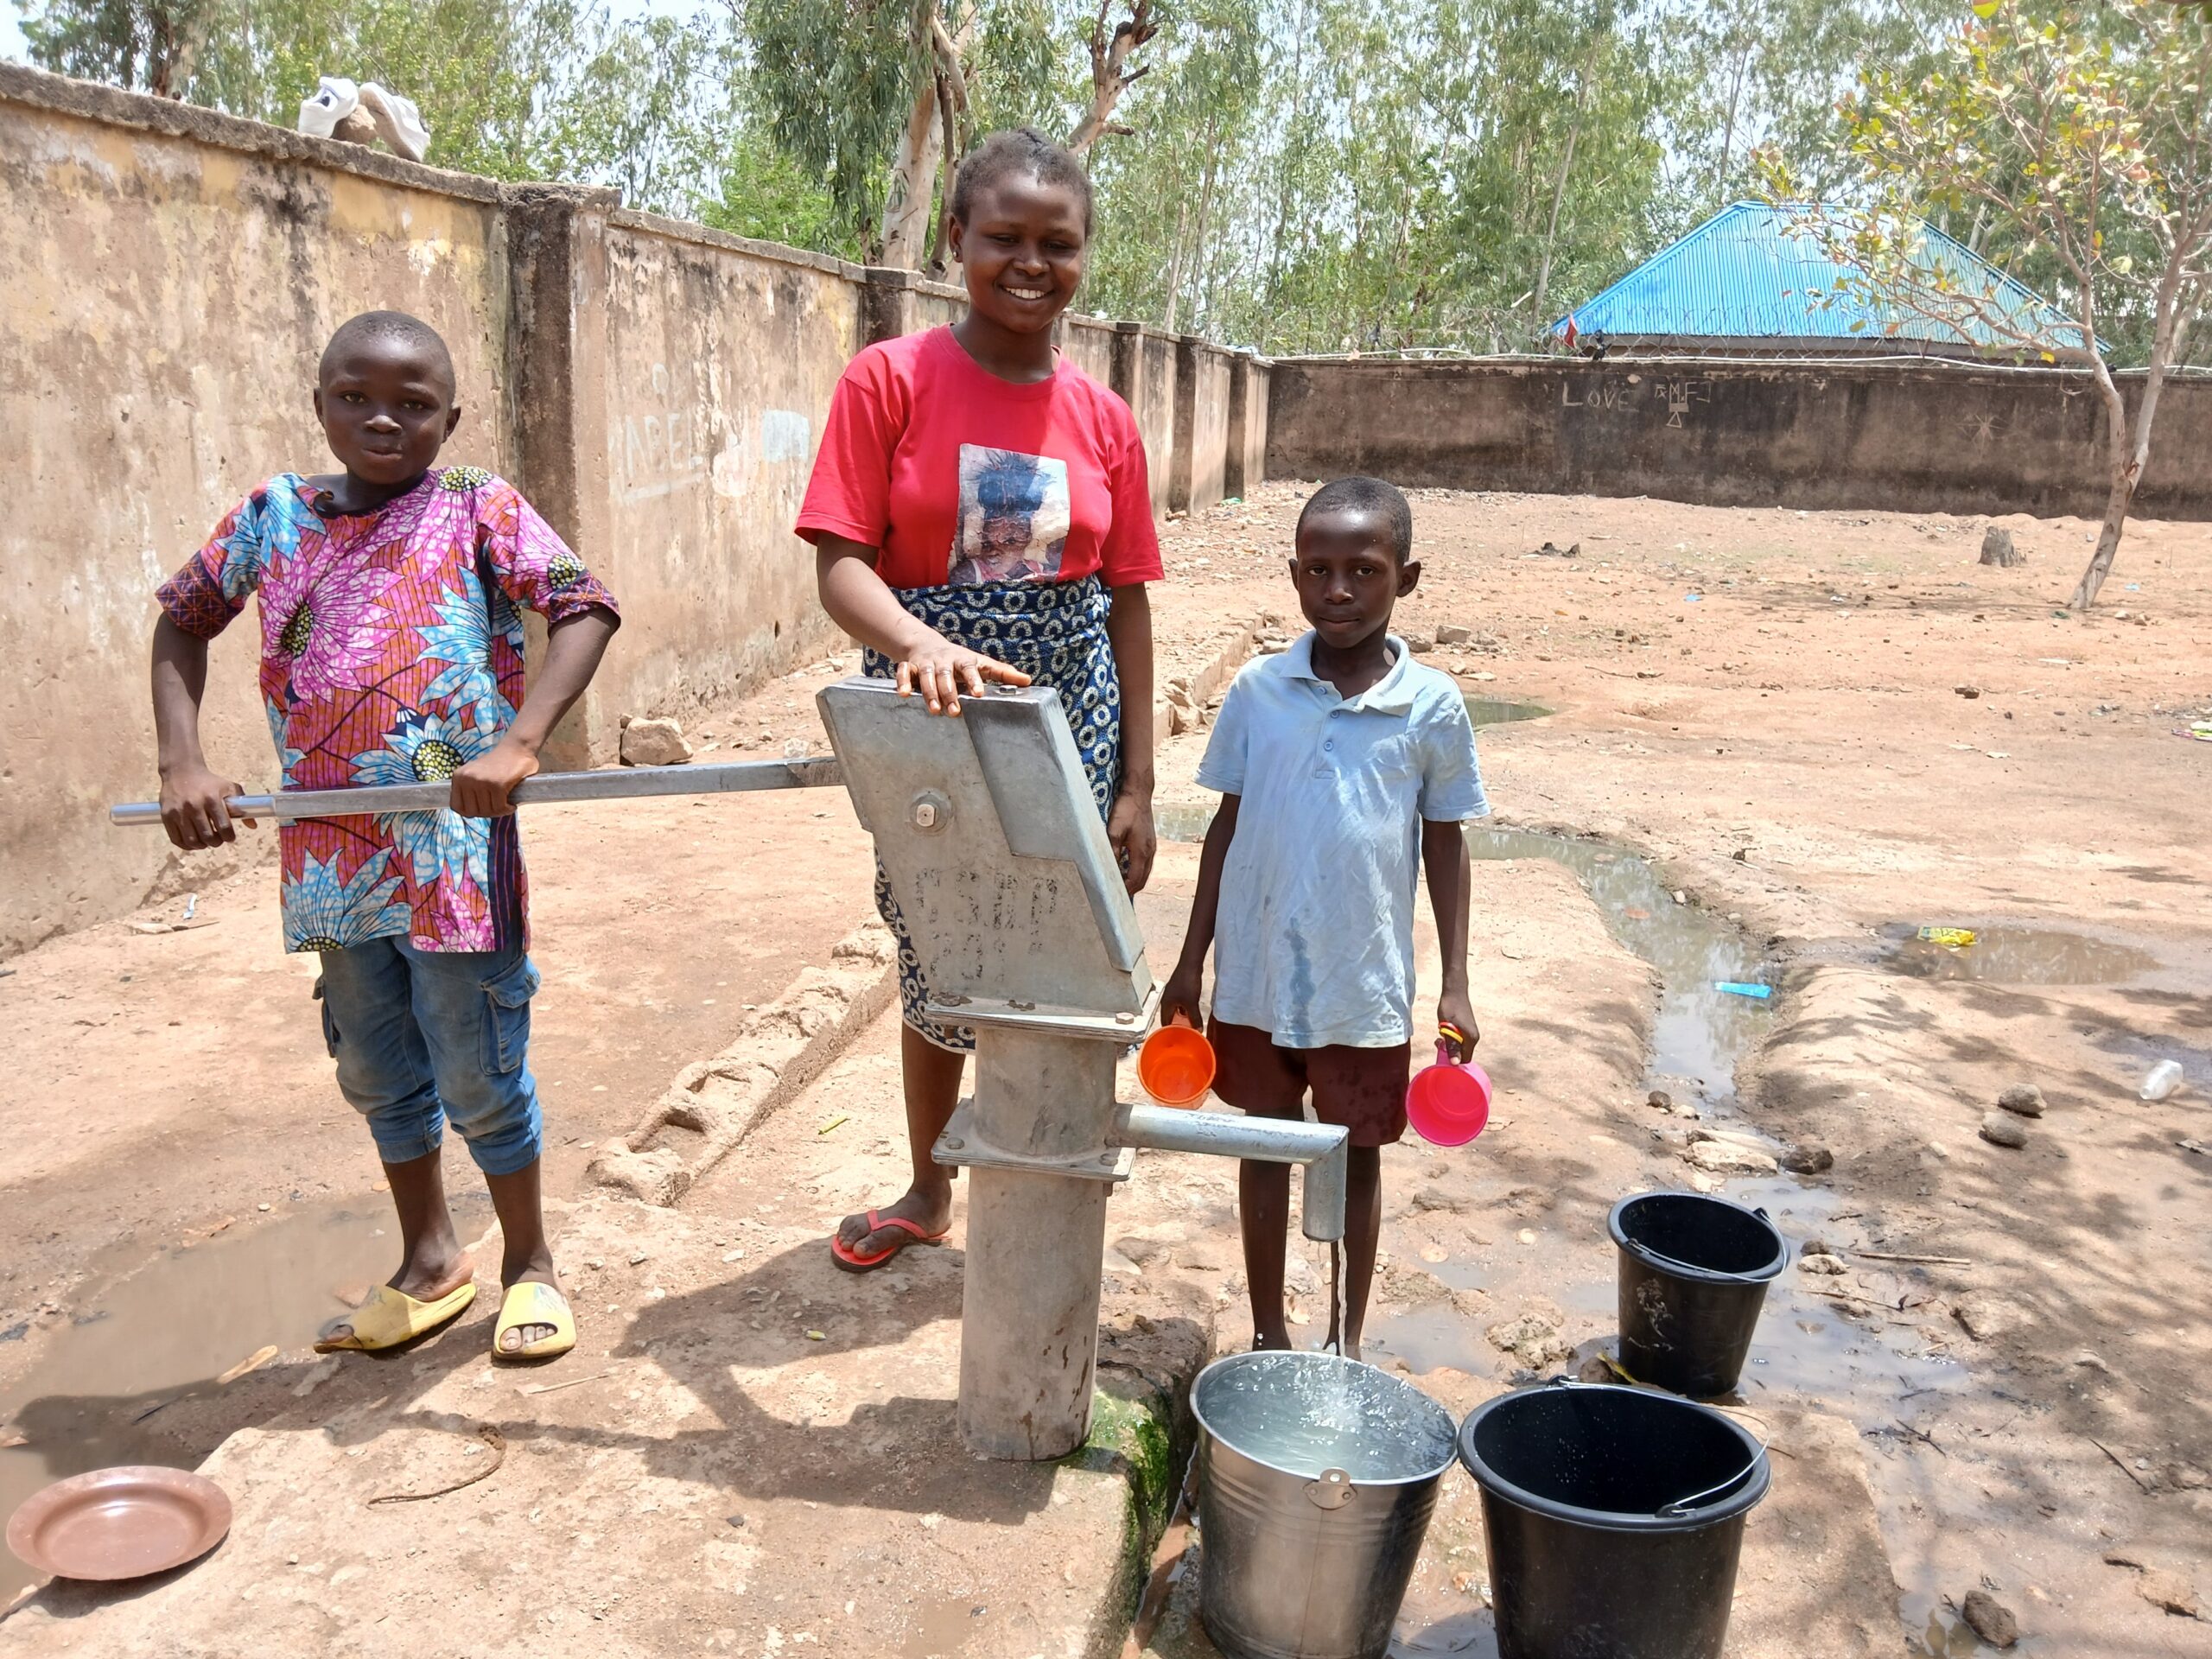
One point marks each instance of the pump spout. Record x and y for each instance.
(1322, 1148)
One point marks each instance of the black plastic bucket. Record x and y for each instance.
(1613, 1517)
(1694, 1274)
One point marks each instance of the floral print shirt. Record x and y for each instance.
(391, 652)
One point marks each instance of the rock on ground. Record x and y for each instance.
(2023, 1099)
(2003, 1130)
(654, 743)
(1719, 1157)
(1990, 1618)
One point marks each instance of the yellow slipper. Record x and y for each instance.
(390, 1317)
(532, 1303)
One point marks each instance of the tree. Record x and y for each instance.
(1170, 201)
(1768, 75)
(147, 45)
(644, 113)
(761, 192)
(2082, 134)
(1110, 74)
(879, 98)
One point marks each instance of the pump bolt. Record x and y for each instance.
(925, 815)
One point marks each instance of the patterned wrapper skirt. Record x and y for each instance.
(1055, 632)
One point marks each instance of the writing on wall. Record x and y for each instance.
(664, 441)
(1676, 397)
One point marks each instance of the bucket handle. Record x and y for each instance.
(1682, 1506)
(1332, 1490)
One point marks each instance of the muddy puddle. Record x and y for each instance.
(156, 1332)
(2007, 954)
(1700, 1032)
(1429, 1339)
(1499, 711)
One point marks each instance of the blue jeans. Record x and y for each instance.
(422, 1036)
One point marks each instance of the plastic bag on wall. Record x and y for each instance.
(397, 120)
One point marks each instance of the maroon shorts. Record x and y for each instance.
(1362, 1089)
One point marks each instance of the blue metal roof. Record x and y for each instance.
(1759, 270)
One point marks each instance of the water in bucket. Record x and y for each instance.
(1317, 1476)
(1304, 1413)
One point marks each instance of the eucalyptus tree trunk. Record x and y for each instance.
(914, 173)
(1559, 195)
(1110, 75)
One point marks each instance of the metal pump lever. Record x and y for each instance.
(1324, 1148)
(612, 783)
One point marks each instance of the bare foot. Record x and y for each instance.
(426, 1278)
(930, 1211)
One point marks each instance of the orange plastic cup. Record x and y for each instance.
(1175, 1066)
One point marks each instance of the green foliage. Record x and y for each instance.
(1300, 174)
(1769, 76)
(2071, 144)
(147, 45)
(833, 81)
(476, 68)
(765, 193)
(1329, 174)
(2080, 137)
(644, 115)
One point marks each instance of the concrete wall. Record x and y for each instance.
(1245, 464)
(1144, 374)
(1202, 394)
(1088, 342)
(708, 440)
(168, 279)
(1918, 437)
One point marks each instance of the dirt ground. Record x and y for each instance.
(1766, 703)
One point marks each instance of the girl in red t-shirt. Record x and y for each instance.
(980, 512)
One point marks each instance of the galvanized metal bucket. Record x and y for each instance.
(1317, 1478)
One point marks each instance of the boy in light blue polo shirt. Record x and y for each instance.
(1344, 767)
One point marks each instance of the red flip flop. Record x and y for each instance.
(852, 1262)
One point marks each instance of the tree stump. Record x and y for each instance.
(1997, 548)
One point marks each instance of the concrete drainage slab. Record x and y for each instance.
(713, 1105)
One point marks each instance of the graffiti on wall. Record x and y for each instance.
(672, 441)
(1678, 397)
(664, 443)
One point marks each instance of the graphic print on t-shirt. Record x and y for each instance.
(1015, 510)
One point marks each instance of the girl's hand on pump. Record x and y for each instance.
(938, 672)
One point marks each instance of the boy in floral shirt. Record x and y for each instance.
(391, 652)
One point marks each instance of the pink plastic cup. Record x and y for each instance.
(1448, 1103)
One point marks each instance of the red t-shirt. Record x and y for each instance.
(960, 477)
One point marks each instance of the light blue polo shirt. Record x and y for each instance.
(1313, 940)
